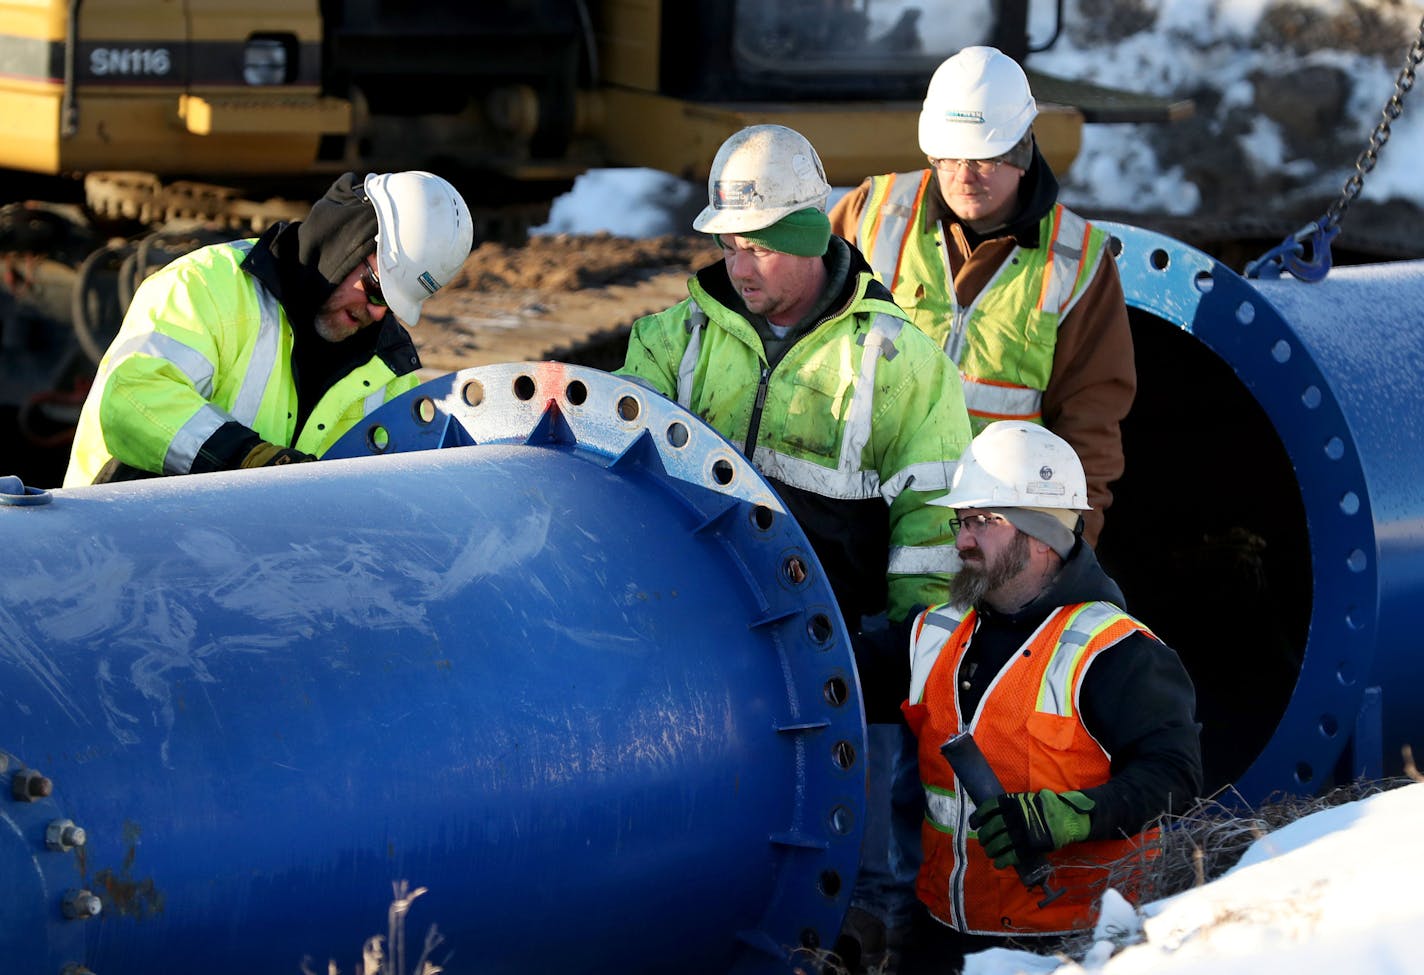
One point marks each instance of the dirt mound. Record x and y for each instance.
(565, 297)
(567, 262)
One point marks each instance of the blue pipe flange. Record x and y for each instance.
(1326, 487)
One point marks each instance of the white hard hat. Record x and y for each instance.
(1014, 464)
(761, 174)
(423, 235)
(978, 106)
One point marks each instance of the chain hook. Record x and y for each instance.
(1305, 254)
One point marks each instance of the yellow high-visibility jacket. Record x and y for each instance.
(205, 343)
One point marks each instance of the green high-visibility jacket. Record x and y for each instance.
(205, 343)
(859, 425)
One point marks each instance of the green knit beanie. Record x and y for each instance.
(805, 233)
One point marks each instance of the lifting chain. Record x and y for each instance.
(1392, 109)
(1318, 234)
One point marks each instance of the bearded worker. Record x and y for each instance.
(1086, 717)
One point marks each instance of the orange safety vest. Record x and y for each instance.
(1029, 727)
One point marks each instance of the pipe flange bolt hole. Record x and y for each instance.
(763, 518)
(423, 411)
(378, 439)
(842, 820)
(829, 883)
(629, 409)
(843, 754)
(819, 629)
(473, 393)
(576, 393)
(723, 472)
(524, 387)
(836, 692)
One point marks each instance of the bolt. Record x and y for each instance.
(29, 785)
(795, 570)
(62, 835)
(80, 905)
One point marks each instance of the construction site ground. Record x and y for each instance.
(565, 297)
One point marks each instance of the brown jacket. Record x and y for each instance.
(1094, 377)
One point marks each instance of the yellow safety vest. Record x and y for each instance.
(1003, 341)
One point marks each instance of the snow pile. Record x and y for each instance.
(1333, 893)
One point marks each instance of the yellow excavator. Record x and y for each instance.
(132, 130)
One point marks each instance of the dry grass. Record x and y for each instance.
(1209, 839)
(386, 955)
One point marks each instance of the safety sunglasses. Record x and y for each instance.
(371, 285)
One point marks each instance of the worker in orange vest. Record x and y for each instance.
(1085, 716)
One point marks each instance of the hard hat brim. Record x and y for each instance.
(729, 220)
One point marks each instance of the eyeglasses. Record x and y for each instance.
(371, 284)
(976, 523)
(979, 167)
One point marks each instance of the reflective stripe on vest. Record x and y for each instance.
(848, 481)
(890, 210)
(933, 628)
(892, 221)
(263, 362)
(1056, 692)
(696, 324)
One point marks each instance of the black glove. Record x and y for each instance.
(1015, 825)
(270, 455)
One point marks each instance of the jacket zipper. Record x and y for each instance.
(754, 427)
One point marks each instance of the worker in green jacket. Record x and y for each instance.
(793, 351)
(263, 352)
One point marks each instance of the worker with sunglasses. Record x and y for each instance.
(262, 352)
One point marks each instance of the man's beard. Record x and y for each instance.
(971, 583)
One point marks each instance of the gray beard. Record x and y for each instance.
(971, 584)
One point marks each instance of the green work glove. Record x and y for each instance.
(270, 455)
(1015, 825)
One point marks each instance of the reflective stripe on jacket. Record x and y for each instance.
(1003, 341)
(860, 408)
(1029, 728)
(204, 343)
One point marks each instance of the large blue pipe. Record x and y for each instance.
(1286, 432)
(584, 682)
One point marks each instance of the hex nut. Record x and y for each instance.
(27, 785)
(62, 835)
(80, 905)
